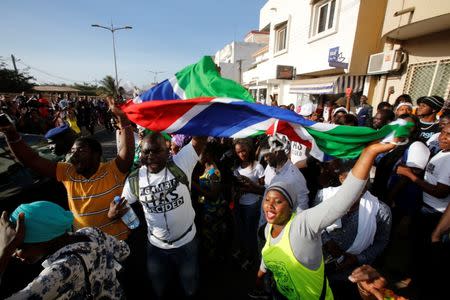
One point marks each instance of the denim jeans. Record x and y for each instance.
(181, 262)
(248, 221)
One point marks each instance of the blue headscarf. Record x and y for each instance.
(44, 221)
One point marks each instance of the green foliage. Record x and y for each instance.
(87, 89)
(12, 82)
(108, 87)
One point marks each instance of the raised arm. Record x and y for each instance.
(10, 238)
(26, 155)
(125, 155)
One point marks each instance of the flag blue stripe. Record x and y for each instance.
(229, 120)
(161, 91)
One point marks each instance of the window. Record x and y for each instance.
(429, 78)
(324, 20)
(280, 37)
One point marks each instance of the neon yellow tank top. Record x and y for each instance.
(294, 280)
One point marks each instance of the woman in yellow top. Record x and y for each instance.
(293, 249)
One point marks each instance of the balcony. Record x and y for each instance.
(413, 18)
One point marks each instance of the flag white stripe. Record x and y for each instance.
(303, 134)
(255, 128)
(186, 118)
(176, 88)
(323, 126)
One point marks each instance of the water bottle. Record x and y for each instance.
(129, 218)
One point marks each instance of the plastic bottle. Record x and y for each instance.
(129, 218)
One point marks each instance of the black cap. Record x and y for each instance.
(434, 102)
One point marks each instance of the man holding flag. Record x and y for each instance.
(162, 187)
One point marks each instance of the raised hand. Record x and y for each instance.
(11, 237)
(115, 110)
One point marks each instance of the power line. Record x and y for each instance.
(47, 73)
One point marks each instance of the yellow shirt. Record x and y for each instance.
(89, 199)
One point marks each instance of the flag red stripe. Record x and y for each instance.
(161, 118)
(285, 128)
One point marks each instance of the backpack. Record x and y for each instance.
(133, 178)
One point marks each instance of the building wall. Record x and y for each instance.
(306, 54)
(423, 10)
(253, 37)
(367, 36)
(314, 53)
(357, 34)
(236, 57)
(427, 48)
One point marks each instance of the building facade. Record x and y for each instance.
(316, 49)
(420, 31)
(236, 57)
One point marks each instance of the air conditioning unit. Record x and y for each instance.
(385, 62)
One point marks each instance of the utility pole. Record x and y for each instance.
(240, 70)
(113, 29)
(14, 63)
(156, 74)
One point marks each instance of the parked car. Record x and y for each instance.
(19, 184)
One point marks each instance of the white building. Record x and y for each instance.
(417, 41)
(315, 48)
(236, 57)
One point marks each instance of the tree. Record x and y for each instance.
(14, 82)
(87, 89)
(108, 87)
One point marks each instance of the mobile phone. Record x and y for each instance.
(391, 90)
(4, 120)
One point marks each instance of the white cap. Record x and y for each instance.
(338, 109)
(418, 155)
(404, 104)
(306, 109)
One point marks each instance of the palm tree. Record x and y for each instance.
(108, 87)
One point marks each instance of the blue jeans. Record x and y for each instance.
(182, 262)
(248, 221)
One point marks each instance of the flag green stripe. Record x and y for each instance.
(348, 141)
(203, 80)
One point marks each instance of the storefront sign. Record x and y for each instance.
(285, 72)
(336, 59)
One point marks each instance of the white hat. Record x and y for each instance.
(418, 155)
(404, 104)
(306, 109)
(339, 109)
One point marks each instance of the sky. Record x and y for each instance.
(54, 41)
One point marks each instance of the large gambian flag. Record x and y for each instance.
(237, 118)
(201, 79)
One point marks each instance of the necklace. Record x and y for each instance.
(426, 128)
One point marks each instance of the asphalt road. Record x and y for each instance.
(108, 141)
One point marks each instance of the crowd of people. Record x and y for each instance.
(307, 229)
(37, 115)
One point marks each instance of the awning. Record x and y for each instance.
(328, 85)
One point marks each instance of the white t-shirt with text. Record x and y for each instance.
(438, 171)
(166, 202)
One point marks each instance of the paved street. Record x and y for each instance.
(108, 141)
